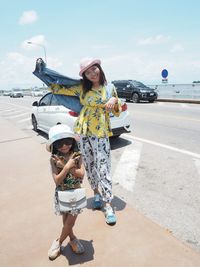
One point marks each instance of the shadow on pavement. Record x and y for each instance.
(117, 203)
(74, 259)
(119, 142)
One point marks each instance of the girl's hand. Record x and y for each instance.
(111, 103)
(73, 162)
(59, 163)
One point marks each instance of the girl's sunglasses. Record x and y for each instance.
(65, 141)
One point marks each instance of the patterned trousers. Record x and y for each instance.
(97, 161)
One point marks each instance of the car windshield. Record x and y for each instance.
(138, 84)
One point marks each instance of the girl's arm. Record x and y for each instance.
(59, 177)
(79, 170)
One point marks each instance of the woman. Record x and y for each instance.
(93, 127)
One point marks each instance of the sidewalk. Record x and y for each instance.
(28, 224)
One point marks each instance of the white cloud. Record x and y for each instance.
(17, 71)
(158, 39)
(18, 68)
(28, 17)
(177, 48)
(34, 42)
(147, 67)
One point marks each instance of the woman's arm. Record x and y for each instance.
(114, 104)
(61, 90)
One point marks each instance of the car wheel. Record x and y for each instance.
(151, 101)
(34, 123)
(135, 98)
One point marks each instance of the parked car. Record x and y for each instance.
(134, 91)
(37, 92)
(16, 93)
(54, 109)
(6, 93)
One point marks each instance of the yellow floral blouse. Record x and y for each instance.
(93, 119)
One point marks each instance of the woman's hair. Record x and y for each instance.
(73, 148)
(87, 84)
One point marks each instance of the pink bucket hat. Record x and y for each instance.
(86, 63)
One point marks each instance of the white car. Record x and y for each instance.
(54, 109)
(16, 93)
(36, 93)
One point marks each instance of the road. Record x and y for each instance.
(156, 168)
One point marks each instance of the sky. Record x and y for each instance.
(133, 39)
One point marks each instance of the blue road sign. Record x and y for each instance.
(164, 73)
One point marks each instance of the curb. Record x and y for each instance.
(192, 101)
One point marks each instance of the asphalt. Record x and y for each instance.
(28, 224)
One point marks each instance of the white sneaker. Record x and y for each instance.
(54, 250)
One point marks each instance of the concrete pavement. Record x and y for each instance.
(28, 224)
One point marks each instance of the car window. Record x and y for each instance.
(45, 101)
(55, 101)
(70, 102)
(138, 84)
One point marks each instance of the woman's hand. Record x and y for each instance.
(111, 103)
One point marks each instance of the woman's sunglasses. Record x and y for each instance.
(65, 141)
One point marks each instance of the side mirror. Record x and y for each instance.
(128, 86)
(35, 104)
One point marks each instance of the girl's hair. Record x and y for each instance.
(87, 84)
(73, 148)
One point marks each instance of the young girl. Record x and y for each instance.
(67, 173)
(93, 126)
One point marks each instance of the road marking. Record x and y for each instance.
(7, 110)
(19, 115)
(197, 163)
(183, 151)
(167, 116)
(184, 105)
(19, 106)
(26, 119)
(126, 170)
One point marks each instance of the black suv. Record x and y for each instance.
(134, 91)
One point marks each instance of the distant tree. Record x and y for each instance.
(196, 81)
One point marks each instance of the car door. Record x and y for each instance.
(125, 89)
(42, 111)
(120, 89)
(57, 113)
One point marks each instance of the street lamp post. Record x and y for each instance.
(45, 55)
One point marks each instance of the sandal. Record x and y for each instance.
(97, 202)
(76, 246)
(54, 250)
(110, 216)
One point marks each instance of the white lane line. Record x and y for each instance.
(7, 110)
(197, 163)
(19, 115)
(126, 170)
(26, 119)
(19, 106)
(184, 105)
(30, 127)
(183, 151)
